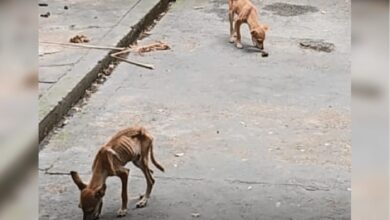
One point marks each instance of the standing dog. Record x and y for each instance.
(133, 144)
(247, 13)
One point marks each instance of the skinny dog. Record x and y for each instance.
(247, 13)
(133, 144)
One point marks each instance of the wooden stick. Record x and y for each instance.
(147, 66)
(85, 46)
(128, 50)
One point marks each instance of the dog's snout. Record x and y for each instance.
(90, 217)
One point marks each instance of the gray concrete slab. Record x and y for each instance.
(62, 87)
(263, 138)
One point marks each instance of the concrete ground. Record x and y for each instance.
(262, 138)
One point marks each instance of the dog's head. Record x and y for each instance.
(258, 36)
(90, 199)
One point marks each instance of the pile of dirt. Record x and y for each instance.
(79, 39)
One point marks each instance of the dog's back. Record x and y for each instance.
(123, 147)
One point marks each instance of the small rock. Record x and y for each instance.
(323, 12)
(278, 204)
(217, 132)
(249, 187)
(179, 154)
(65, 122)
(327, 144)
(66, 7)
(243, 123)
(174, 165)
(195, 215)
(46, 15)
(349, 189)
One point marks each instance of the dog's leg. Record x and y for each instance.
(149, 183)
(123, 174)
(231, 20)
(237, 31)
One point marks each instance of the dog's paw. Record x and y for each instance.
(121, 212)
(239, 45)
(232, 39)
(142, 203)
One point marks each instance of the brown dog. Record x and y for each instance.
(132, 144)
(247, 13)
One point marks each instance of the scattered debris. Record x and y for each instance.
(64, 122)
(159, 45)
(43, 4)
(77, 109)
(179, 154)
(144, 34)
(195, 215)
(46, 15)
(148, 66)
(79, 39)
(66, 7)
(142, 49)
(318, 45)
(89, 46)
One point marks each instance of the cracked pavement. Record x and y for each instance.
(262, 138)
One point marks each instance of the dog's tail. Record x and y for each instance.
(154, 161)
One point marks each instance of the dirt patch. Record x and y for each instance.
(317, 45)
(287, 10)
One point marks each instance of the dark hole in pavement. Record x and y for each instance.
(285, 9)
(318, 45)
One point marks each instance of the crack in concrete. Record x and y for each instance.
(121, 19)
(59, 64)
(303, 186)
(230, 181)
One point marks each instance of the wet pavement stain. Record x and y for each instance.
(287, 10)
(317, 45)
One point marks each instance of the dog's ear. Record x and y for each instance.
(253, 33)
(77, 180)
(100, 192)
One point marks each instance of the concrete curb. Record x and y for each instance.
(53, 114)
